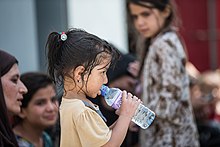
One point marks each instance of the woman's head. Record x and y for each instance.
(80, 50)
(13, 89)
(40, 101)
(150, 17)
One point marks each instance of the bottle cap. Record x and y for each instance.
(104, 90)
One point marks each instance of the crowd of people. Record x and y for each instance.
(157, 74)
(205, 97)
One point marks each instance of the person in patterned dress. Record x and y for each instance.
(165, 82)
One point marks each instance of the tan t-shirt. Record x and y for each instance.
(81, 126)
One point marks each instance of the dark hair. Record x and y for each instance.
(7, 137)
(34, 81)
(79, 49)
(159, 4)
(7, 61)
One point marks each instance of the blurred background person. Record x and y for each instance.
(205, 95)
(39, 110)
(163, 74)
(11, 94)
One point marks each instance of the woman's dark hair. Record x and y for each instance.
(7, 137)
(79, 49)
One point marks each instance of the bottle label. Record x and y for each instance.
(117, 102)
(143, 116)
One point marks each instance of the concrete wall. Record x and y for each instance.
(104, 18)
(18, 34)
(26, 24)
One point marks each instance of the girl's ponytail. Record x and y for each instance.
(53, 45)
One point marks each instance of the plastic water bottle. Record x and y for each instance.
(143, 116)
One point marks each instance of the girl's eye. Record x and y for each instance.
(133, 17)
(146, 14)
(104, 72)
(54, 99)
(40, 103)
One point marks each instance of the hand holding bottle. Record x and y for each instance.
(115, 98)
(129, 105)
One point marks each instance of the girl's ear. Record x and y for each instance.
(167, 11)
(78, 73)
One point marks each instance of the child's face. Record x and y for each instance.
(42, 110)
(97, 78)
(148, 22)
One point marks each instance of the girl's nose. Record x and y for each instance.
(105, 80)
(140, 21)
(52, 105)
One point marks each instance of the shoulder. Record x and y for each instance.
(75, 109)
(72, 105)
(23, 142)
(47, 140)
(166, 39)
(168, 43)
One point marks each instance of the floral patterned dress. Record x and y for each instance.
(166, 92)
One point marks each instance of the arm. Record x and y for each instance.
(120, 127)
(112, 126)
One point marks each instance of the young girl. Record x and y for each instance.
(80, 61)
(164, 77)
(39, 110)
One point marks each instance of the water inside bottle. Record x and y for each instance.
(143, 116)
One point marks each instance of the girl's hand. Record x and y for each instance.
(129, 105)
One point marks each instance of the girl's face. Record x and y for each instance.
(13, 89)
(147, 21)
(42, 110)
(97, 78)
